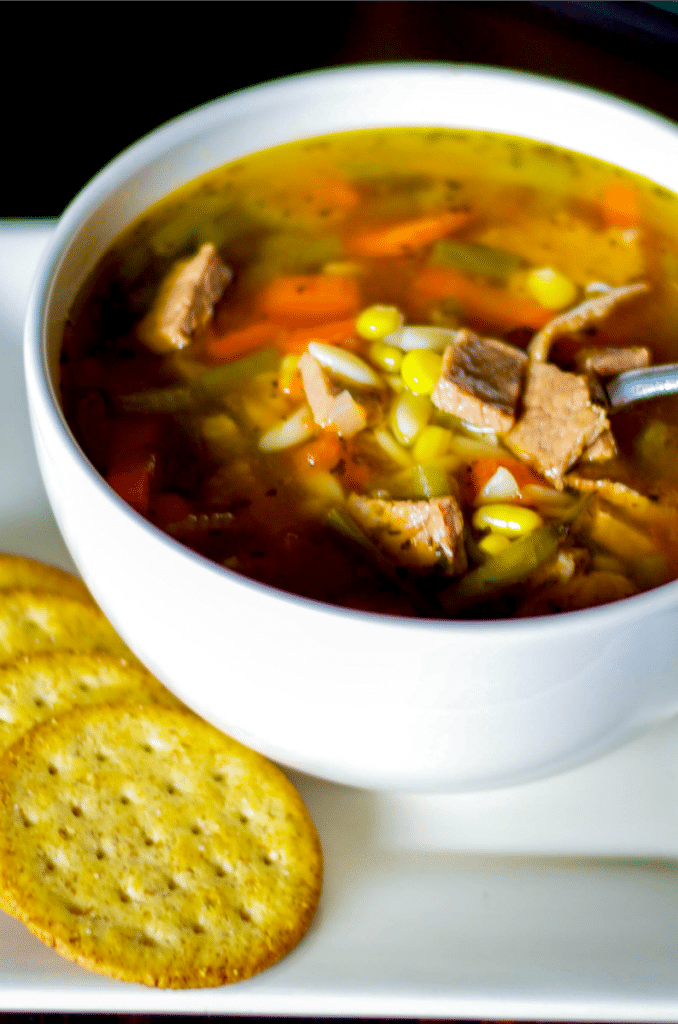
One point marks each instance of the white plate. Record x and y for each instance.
(557, 900)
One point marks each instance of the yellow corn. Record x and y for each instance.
(386, 357)
(421, 370)
(375, 322)
(492, 543)
(433, 442)
(509, 520)
(408, 417)
(288, 369)
(551, 288)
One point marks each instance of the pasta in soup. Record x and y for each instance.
(369, 369)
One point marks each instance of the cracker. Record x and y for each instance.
(40, 686)
(35, 688)
(146, 845)
(33, 620)
(18, 572)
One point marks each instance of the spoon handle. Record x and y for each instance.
(637, 385)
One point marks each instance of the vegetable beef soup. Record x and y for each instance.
(369, 368)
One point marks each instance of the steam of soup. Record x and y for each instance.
(369, 368)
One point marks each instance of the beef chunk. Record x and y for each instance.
(185, 301)
(419, 535)
(481, 381)
(584, 315)
(603, 448)
(558, 422)
(606, 362)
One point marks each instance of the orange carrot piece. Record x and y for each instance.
(133, 436)
(355, 475)
(234, 344)
(483, 305)
(339, 332)
(132, 481)
(484, 469)
(406, 236)
(338, 192)
(620, 205)
(306, 300)
(170, 507)
(323, 453)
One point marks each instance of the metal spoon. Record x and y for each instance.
(636, 385)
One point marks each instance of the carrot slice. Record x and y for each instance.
(306, 300)
(484, 469)
(323, 452)
(170, 507)
(233, 344)
(406, 236)
(483, 305)
(132, 481)
(339, 332)
(620, 205)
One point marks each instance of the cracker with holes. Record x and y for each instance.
(146, 845)
(19, 572)
(35, 620)
(40, 686)
(37, 687)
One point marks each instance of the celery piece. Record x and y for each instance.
(214, 382)
(429, 480)
(208, 386)
(511, 566)
(473, 258)
(165, 400)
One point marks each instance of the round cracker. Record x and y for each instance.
(34, 620)
(40, 686)
(37, 687)
(146, 845)
(18, 572)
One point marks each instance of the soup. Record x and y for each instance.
(369, 369)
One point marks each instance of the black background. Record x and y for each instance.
(81, 81)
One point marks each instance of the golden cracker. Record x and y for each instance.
(18, 572)
(40, 686)
(32, 621)
(146, 845)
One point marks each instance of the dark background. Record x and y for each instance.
(81, 81)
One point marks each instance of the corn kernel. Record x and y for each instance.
(375, 322)
(492, 543)
(432, 443)
(386, 357)
(551, 288)
(289, 380)
(408, 416)
(509, 520)
(421, 370)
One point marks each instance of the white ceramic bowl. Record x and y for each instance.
(357, 698)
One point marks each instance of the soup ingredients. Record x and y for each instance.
(185, 302)
(398, 403)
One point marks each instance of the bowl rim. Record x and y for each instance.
(160, 141)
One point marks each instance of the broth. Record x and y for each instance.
(367, 369)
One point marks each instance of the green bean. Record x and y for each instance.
(214, 382)
(429, 480)
(166, 400)
(208, 386)
(509, 567)
(473, 258)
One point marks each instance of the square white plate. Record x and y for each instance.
(556, 900)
